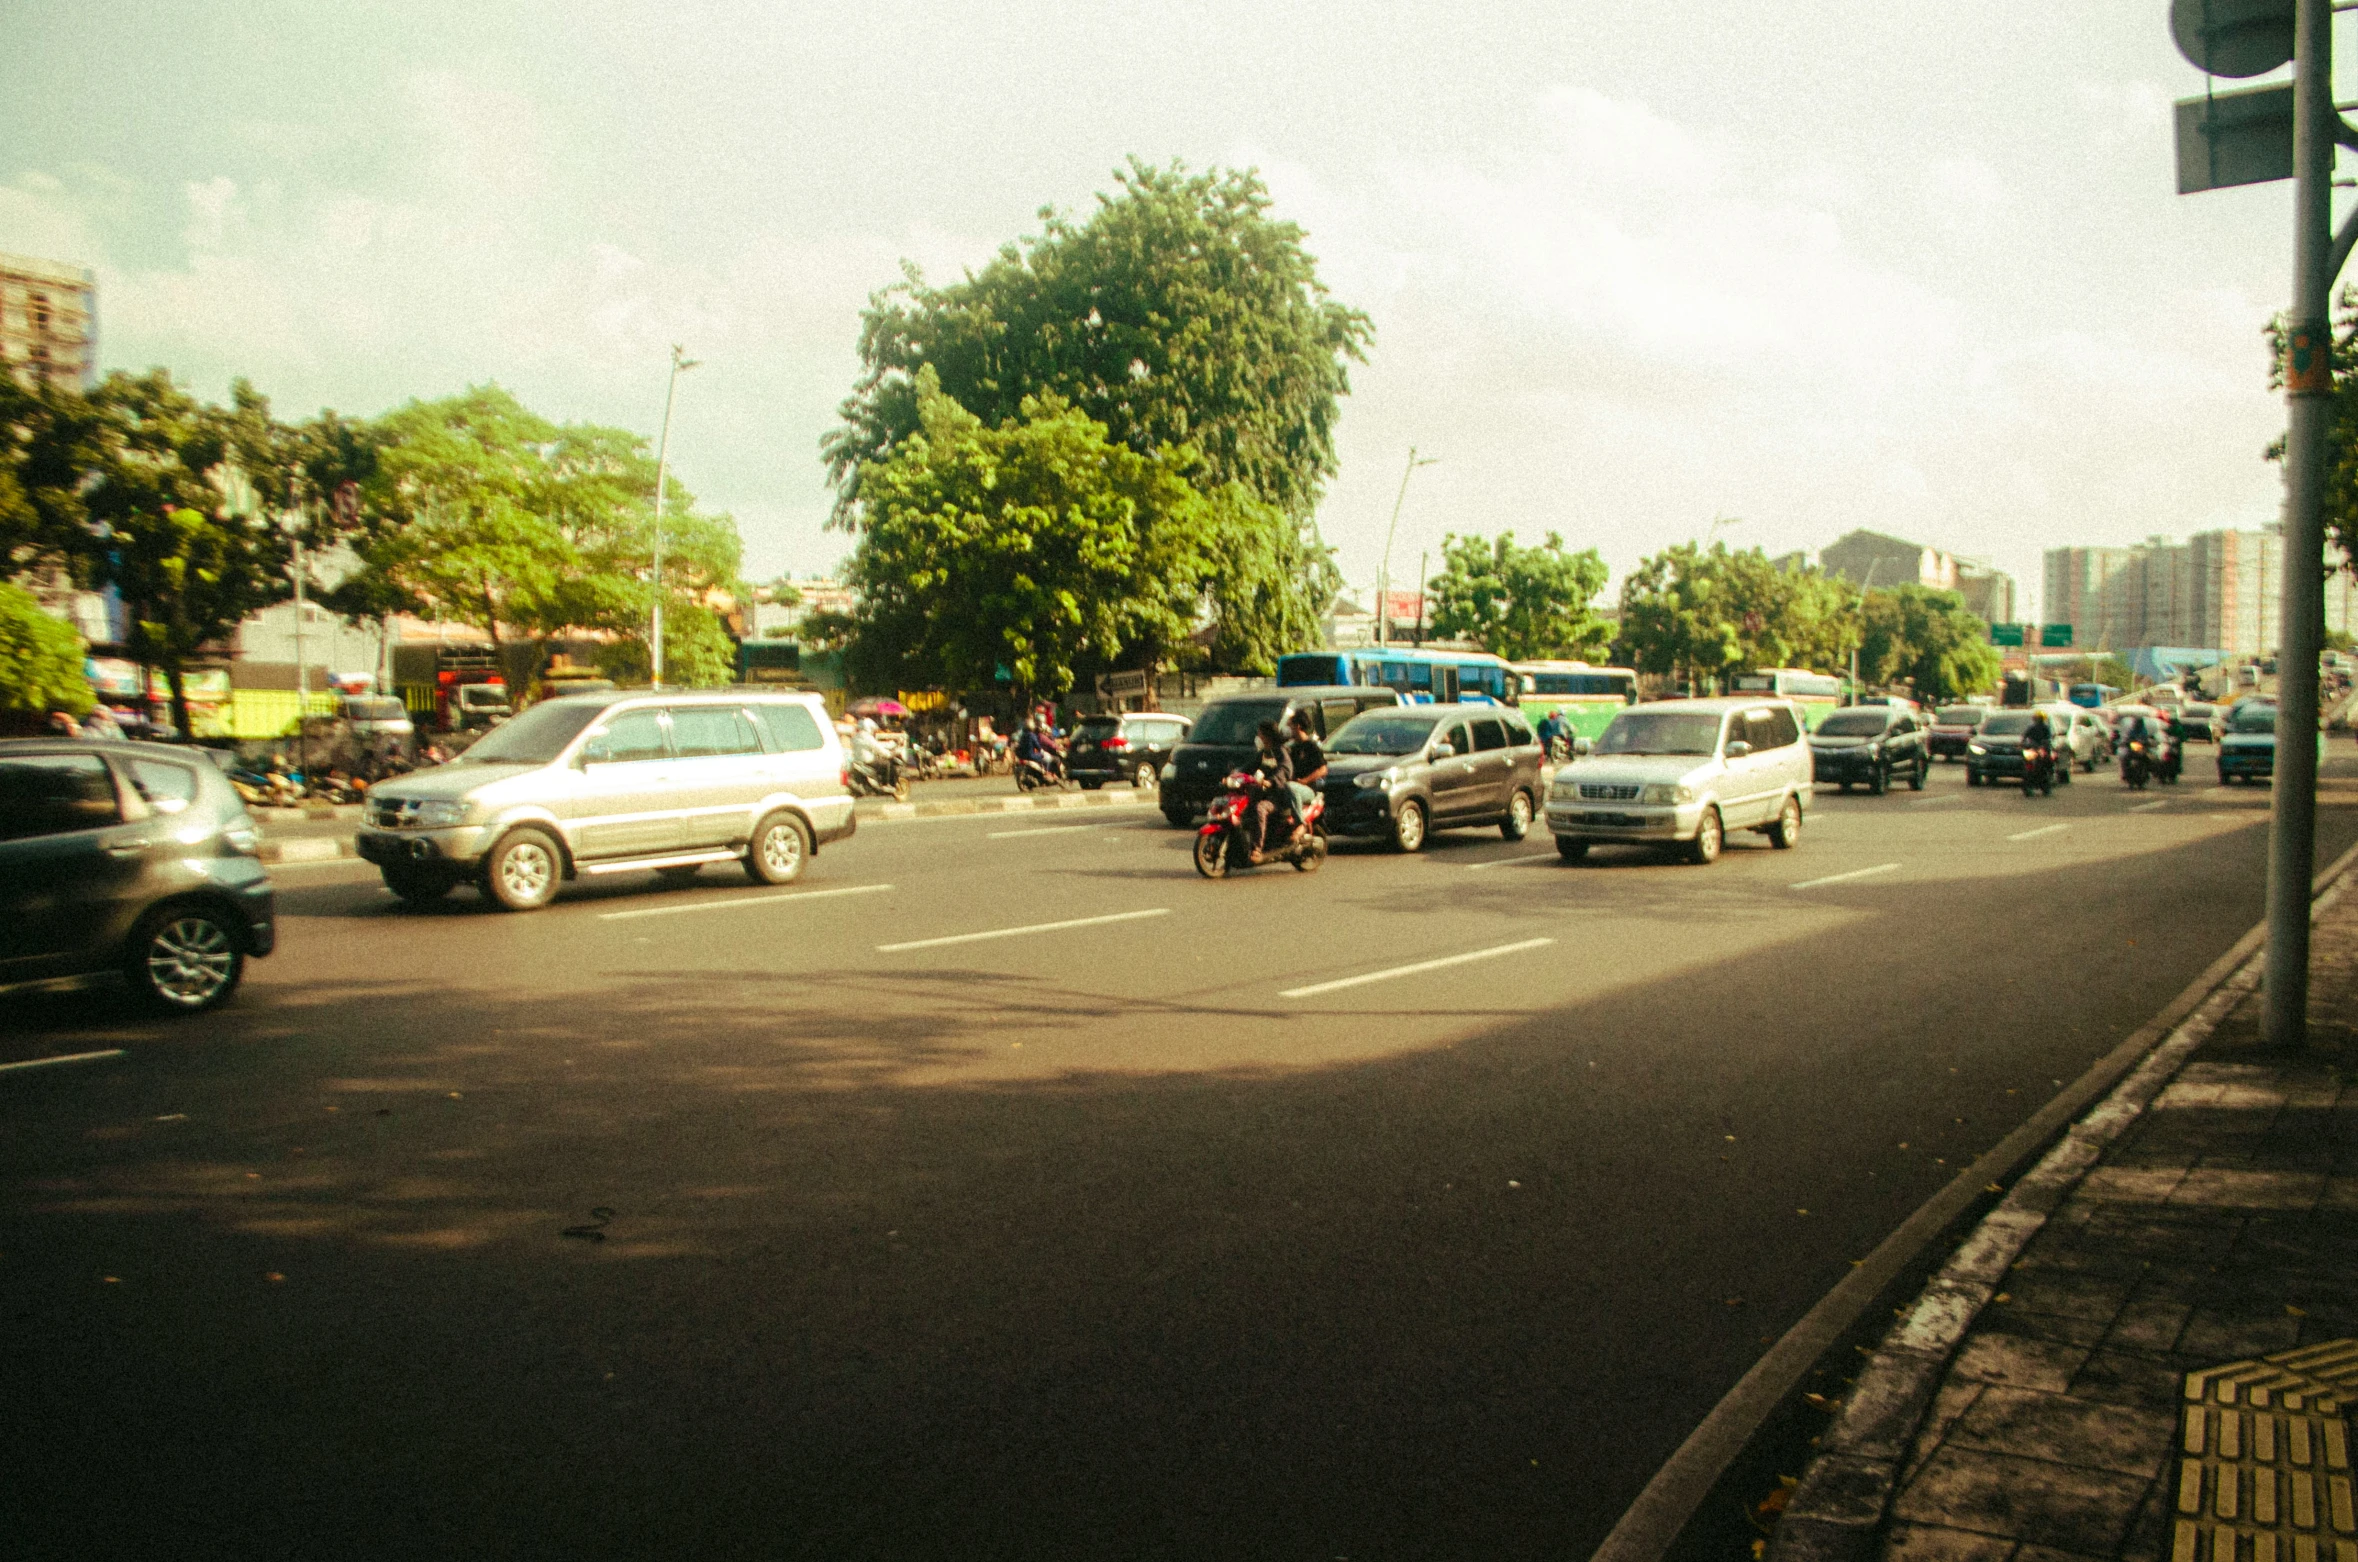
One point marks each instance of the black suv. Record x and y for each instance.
(130, 857)
(1132, 747)
(1401, 774)
(1870, 746)
(1220, 739)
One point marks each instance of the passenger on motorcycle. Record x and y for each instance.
(1273, 774)
(1308, 762)
(1038, 745)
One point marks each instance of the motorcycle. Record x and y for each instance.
(1032, 775)
(1226, 840)
(2136, 765)
(2038, 772)
(877, 778)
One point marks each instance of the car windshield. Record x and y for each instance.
(535, 738)
(1097, 729)
(2010, 724)
(2255, 718)
(1958, 715)
(1854, 723)
(1661, 732)
(482, 694)
(1383, 732)
(1232, 721)
(376, 710)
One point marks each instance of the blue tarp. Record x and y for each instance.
(2156, 662)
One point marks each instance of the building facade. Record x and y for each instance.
(1866, 558)
(48, 322)
(2219, 590)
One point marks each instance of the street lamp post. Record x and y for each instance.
(1384, 579)
(1864, 588)
(681, 363)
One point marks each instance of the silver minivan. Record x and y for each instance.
(615, 782)
(1684, 773)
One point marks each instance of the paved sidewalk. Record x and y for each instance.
(2030, 1405)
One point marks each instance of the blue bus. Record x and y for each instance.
(1420, 676)
(2093, 695)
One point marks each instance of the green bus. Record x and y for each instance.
(1587, 697)
(1818, 694)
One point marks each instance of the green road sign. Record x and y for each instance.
(2005, 634)
(2055, 634)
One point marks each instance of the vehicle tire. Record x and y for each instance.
(679, 873)
(1091, 786)
(1313, 856)
(415, 886)
(1880, 782)
(522, 871)
(779, 849)
(1176, 819)
(1973, 778)
(2063, 775)
(1517, 822)
(1917, 776)
(1785, 834)
(184, 959)
(1408, 827)
(1571, 847)
(1846, 789)
(1025, 781)
(1710, 836)
(1211, 854)
(1142, 779)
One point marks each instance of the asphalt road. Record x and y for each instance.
(726, 1221)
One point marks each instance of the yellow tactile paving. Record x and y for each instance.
(2264, 1460)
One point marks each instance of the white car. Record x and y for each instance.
(1684, 773)
(2083, 732)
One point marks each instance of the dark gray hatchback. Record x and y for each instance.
(130, 857)
(1403, 773)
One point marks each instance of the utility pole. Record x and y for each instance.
(1872, 566)
(1424, 568)
(1384, 579)
(302, 669)
(681, 363)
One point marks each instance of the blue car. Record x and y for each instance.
(2247, 743)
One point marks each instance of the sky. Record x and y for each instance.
(1797, 265)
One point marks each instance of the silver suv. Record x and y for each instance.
(1685, 772)
(607, 783)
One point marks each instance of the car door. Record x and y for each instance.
(625, 804)
(69, 855)
(1455, 782)
(718, 770)
(1494, 766)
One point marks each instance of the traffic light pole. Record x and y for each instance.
(2308, 375)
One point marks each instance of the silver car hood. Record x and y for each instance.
(1641, 769)
(449, 783)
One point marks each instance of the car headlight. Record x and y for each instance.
(1375, 780)
(1667, 792)
(434, 815)
(1170, 772)
(241, 840)
(1975, 748)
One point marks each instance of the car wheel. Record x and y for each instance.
(679, 873)
(1571, 847)
(1916, 777)
(1710, 836)
(416, 886)
(1176, 819)
(1972, 777)
(1846, 789)
(1880, 782)
(2063, 775)
(1408, 826)
(522, 871)
(778, 850)
(1517, 822)
(184, 959)
(1142, 779)
(1089, 785)
(1785, 834)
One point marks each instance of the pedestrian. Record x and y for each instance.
(62, 724)
(100, 725)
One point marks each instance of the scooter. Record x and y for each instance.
(1032, 775)
(1226, 839)
(883, 778)
(2038, 772)
(2136, 765)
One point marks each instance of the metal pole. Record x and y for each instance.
(2292, 835)
(302, 672)
(1424, 567)
(680, 362)
(1384, 579)
(1872, 566)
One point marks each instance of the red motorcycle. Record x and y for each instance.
(1226, 839)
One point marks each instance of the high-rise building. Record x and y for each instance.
(2220, 590)
(1866, 558)
(48, 322)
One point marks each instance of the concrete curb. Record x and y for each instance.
(1837, 1513)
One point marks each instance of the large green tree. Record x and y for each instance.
(1520, 602)
(1031, 547)
(1180, 314)
(1704, 614)
(1926, 638)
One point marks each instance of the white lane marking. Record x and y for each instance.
(1927, 802)
(1514, 862)
(1018, 932)
(1838, 878)
(2146, 808)
(1046, 829)
(744, 900)
(2032, 835)
(1412, 970)
(70, 1057)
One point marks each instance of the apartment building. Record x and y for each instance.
(48, 322)
(1867, 558)
(2220, 590)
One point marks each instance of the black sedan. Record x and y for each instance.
(1996, 751)
(1870, 746)
(1132, 747)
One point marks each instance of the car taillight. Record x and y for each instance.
(845, 778)
(1117, 741)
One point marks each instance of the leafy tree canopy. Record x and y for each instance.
(1032, 547)
(1926, 638)
(1707, 613)
(1521, 603)
(40, 658)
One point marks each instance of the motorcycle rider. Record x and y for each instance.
(1273, 774)
(1307, 761)
(1552, 730)
(1036, 746)
(869, 757)
(2038, 742)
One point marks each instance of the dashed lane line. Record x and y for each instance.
(2032, 835)
(2146, 808)
(1843, 878)
(69, 1057)
(1515, 862)
(1046, 829)
(1412, 970)
(1019, 932)
(742, 901)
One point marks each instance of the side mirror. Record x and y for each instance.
(1443, 751)
(1581, 747)
(1738, 749)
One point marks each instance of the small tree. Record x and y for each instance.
(1925, 637)
(1520, 603)
(40, 658)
